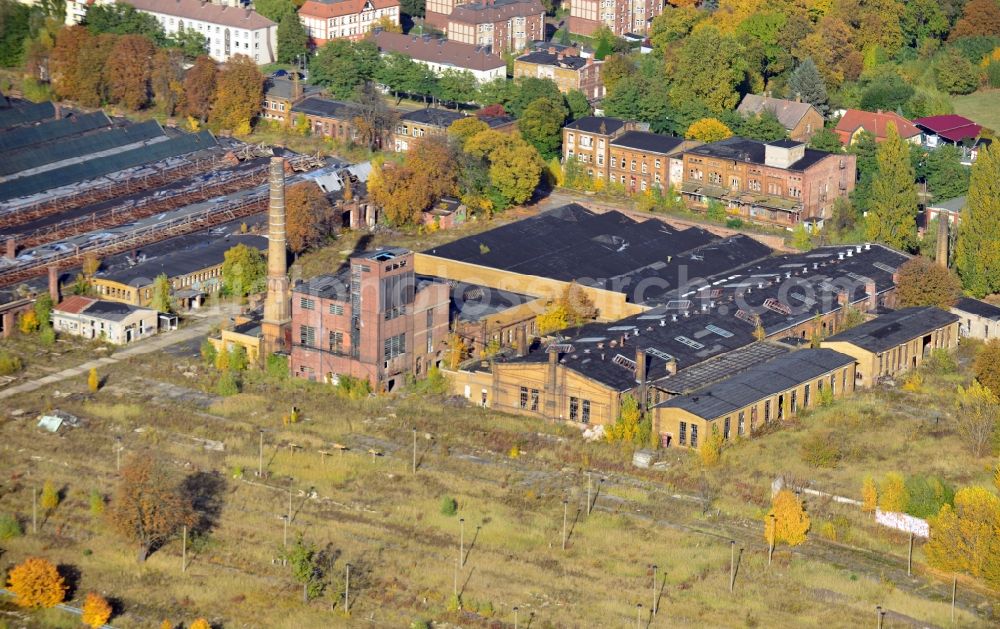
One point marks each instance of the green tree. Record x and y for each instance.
(123, 19)
(457, 86)
(530, 89)
(807, 83)
(763, 126)
(541, 125)
(977, 252)
(14, 32)
(304, 560)
(43, 310)
(826, 140)
(292, 38)
(888, 91)
(189, 42)
(923, 19)
(161, 294)
(626, 426)
(946, 176)
(341, 65)
(891, 214)
(414, 8)
(275, 10)
(243, 270)
(926, 283)
(711, 67)
(986, 367)
(955, 74)
(865, 148)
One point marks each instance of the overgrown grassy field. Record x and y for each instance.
(982, 107)
(364, 506)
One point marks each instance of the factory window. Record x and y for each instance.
(694, 435)
(741, 423)
(632, 165)
(614, 162)
(767, 411)
(430, 317)
(657, 164)
(805, 397)
(585, 415)
(643, 168)
(534, 399)
(430, 343)
(524, 397)
(715, 178)
(725, 429)
(574, 408)
(307, 335)
(336, 309)
(336, 342)
(682, 437)
(307, 304)
(395, 346)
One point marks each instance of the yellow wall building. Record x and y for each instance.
(897, 342)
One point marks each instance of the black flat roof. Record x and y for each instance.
(648, 142)
(474, 302)
(741, 149)
(50, 130)
(437, 117)
(978, 307)
(110, 310)
(573, 243)
(198, 256)
(20, 112)
(897, 327)
(774, 376)
(325, 108)
(545, 58)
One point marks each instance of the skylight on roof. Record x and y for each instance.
(678, 304)
(720, 331)
(690, 343)
(623, 361)
(621, 328)
(885, 267)
(591, 339)
(652, 351)
(773, 304)
(743, 315)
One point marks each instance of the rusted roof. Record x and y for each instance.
(876, 123)
(459, 55)
(75, 304)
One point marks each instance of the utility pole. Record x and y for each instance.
(289, 502)
(455, 586)
(909, 558)
(461, 542)
(588, 492)
(260, 456)
(879, 614)
(184, 549)
(565, 511)
(414, 450)
(638, 615)
(347, 589)
(34, 510)
(732, 564)
(515, 617)
(118, 454)
(770, 541)
(653, 607)
(954, 591)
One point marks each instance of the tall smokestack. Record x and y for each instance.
(277, 303)
(941, 256)
(54, 284)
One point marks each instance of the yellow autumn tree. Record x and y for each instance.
(50, 496)
(869, 495)
(166, 624)
(790, 522)
(457, 350)
(626, 428)
(996, 477)
(966, 537)
(36, 582)
(93, 381)
(28, 322)
(200, 623)
(710, 449)
(96, 610)
(708, 130)
(894, 496)
(555, 317)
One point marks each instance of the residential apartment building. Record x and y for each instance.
(328, 118)
(502, 26)
(781, 183)
(109, 321)
(856, 121)
(588, 140)
(376, 321)
(442, 55)
(895, 343)
(569, 72)
(280, 94)
(429, 122)
(345, 19)
(800, 120)
(621, 16)
(229, 30)
(641, 161)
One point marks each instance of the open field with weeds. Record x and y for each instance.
(344, 472)
(982, 107)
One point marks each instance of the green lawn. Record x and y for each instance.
(982, 107)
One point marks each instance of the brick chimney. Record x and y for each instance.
(872, 293)
(54, 283)
(640, 366)
(941, 255)
(522, 341)
(11, 248)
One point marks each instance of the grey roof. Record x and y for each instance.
(473, 302)
(720, 368)
(111, 310)
(24, 112)
(325, 108)
(334, 286)
(648, 142)
(772, 377)
(278, 87)
(895, 328)
(210, 12)
(951, 205)
(593, 124)
(197, 256)
(495, 11)
(52, 130)
(434, 117)
(788, 112)
(741, 149)
(978, 307)
(440, 51)
(546, 58)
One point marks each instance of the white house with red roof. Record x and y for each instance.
(951, 129)
(345, 19)
(856, 121)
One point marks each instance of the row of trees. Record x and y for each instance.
(488, 169)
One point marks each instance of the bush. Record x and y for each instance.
(927, 495)
(47, 336)
(228, 384)
(277, 366)
(353, 388)
(449, 506)
(96, 610)
(10, 527)
(208, 353)
(893, 495)
(821, 450)
(9, 364)
(941, 362)
(37, 583)
(420, 623)
(96, 500)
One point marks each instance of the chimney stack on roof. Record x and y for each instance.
(53, 286)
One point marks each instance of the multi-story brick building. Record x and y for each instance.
(377, 321)
(588, 140)
(621, 16)
(280, 94)
(348, 19)
(642, 161)
(781, 182)
(570, 72)
(429, 122)
(499, 25)
(800, 120)
(442, 55)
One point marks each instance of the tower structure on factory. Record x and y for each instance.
(277, 304)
